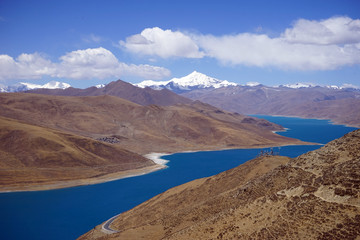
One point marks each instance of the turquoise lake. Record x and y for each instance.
(71, 212)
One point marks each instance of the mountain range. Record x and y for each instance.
(197, 80)
(340, 104)
(313, 196)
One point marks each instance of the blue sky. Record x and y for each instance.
(91, 42)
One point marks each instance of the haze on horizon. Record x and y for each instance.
(85, 43)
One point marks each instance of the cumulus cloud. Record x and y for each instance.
(336, 30)
(26, 66)
(89, 63)
(263, 51)
(308, 45)
(81, 64)
(163, 43)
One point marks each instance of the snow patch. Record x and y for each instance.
(299, 85)
(252, 84)
(100, 85)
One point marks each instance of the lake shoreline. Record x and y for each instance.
(333, 122)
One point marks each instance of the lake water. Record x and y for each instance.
(69, 213)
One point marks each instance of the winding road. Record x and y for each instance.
(105, 228)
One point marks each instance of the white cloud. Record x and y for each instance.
(263, 51)
(81, 64)
(162, 43)
(336, 30)
(26, 66)
(308, 45)
(89, 63)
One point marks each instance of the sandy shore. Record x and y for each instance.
(156, 158)
(87, 181)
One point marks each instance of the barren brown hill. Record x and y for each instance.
(143, 129)
(313, 196)
(33, 157)
(340, 105)
(142, 96)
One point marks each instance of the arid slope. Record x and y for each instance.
(143, 129)
(33, 157)
(314, 196)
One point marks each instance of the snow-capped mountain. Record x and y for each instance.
(23, 86)
(55, 85)
(194, 80)
(298, 85)
(311, 85)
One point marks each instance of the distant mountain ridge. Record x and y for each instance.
(197, 81)
(119, 88)
(342, 106)
(192, 81)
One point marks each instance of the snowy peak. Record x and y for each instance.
(23, 86)
(312, 85)
(194, 80)
(252, 84)
(56, 85)
(299, 85)
(157, 85)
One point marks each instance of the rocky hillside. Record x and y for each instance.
(313, 196)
